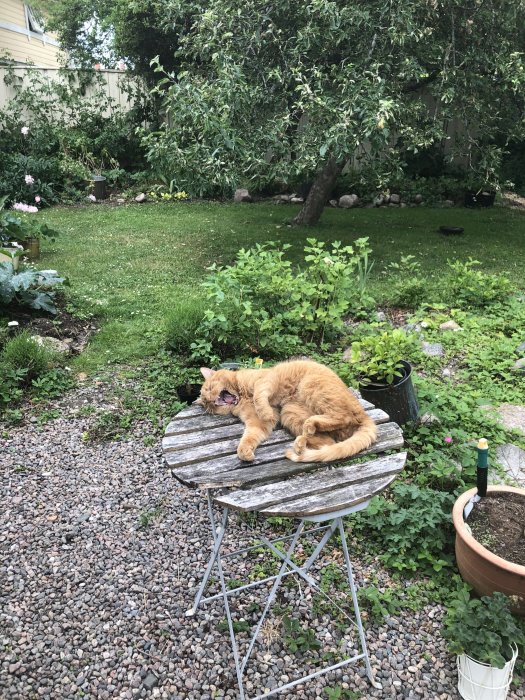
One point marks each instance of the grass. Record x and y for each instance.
(132, 264)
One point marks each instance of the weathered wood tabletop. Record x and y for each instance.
(201, 451)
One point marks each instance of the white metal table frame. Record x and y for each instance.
(331, 523)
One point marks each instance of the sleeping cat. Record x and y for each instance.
(305, 397)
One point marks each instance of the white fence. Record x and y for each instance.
(116, 85)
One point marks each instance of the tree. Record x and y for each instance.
(107, 31)
(270, 91)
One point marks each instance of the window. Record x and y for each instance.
(35, 21)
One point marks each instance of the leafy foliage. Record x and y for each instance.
(262, 304)
(482, 628)
(378, 358)
(413, 526)
(298, 639)
(467, 287)
(29, 287)
(258, 98)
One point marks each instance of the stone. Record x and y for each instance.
(403, 205)
(512, 459)
(150, 681)
(519, 365)
(52, 344)
(512, 416)
(433, 349)
(121, 200)
(140, 198)
(284, 198)
(347, 354)
(450, 326)
(418, 198)
(381, 316)
(242, 195)
(521, 348)
(379, 200)
(448, 203)
(296, 200)
(395, 199)
(429, 418)
(333, 202)
(347, 201)
(446, 372)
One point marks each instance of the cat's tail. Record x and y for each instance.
(363, 437)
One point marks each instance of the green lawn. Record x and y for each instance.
(130, 263)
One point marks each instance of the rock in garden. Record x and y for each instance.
(283, 198)
(429, 418)
(512, 459)
(433, 349)
(512, 416)
(347, 201)
(140, 198)
(450, 326)
(296, 200)
(333, 202)
(393, 204)
(403, 205)
(52, 344)
(418, 198)
(519, 365)
(448, 203)
(379, 200)
(521, 348)
(395, 199)
(242, 195)
(150, 681)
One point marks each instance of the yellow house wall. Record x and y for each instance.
(21, 47)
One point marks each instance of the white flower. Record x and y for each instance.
(328, 261)
(29, 179)
(12, 324)
(25, 130)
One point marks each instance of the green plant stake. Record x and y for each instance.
(482, 471)
(481, 476)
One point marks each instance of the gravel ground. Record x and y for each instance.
(101, 552)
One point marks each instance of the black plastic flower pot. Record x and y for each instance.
(482, 198)
(398, 399)
(189, 392)
(99, 186)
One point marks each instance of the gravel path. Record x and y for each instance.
(101, 551)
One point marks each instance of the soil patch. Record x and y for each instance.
(63, 325)
(498, 523)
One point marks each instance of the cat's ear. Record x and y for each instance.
(206, 372)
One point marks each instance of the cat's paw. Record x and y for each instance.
(245, 453)
(293, 456)
(309, 427)
(299, 444)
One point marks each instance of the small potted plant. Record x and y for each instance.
(485, 637)
(189, 382)
(385, 373)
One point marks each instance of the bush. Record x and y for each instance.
(22, 353)
(412, 529)
(29, 287)
(465, 287)
(64, 139)
(408, 288)
(261, 304)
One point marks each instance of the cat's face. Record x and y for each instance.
(218, 391)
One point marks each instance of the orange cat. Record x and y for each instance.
(305, 397)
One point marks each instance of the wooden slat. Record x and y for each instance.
(203, 452)
(327, 480)
(345, 497)
(187, 440)
(199, 422)
(378, 415)
(237, 473)
(191, 410)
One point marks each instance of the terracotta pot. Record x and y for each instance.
(483, 570)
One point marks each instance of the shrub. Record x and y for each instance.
(482, 628)
(261, 304)
(29, 287)
(412, 529)
(466, 287)
(23, 354)
(408, 288)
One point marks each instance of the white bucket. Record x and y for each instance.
(477, 681)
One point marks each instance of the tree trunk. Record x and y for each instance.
(319, 193)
